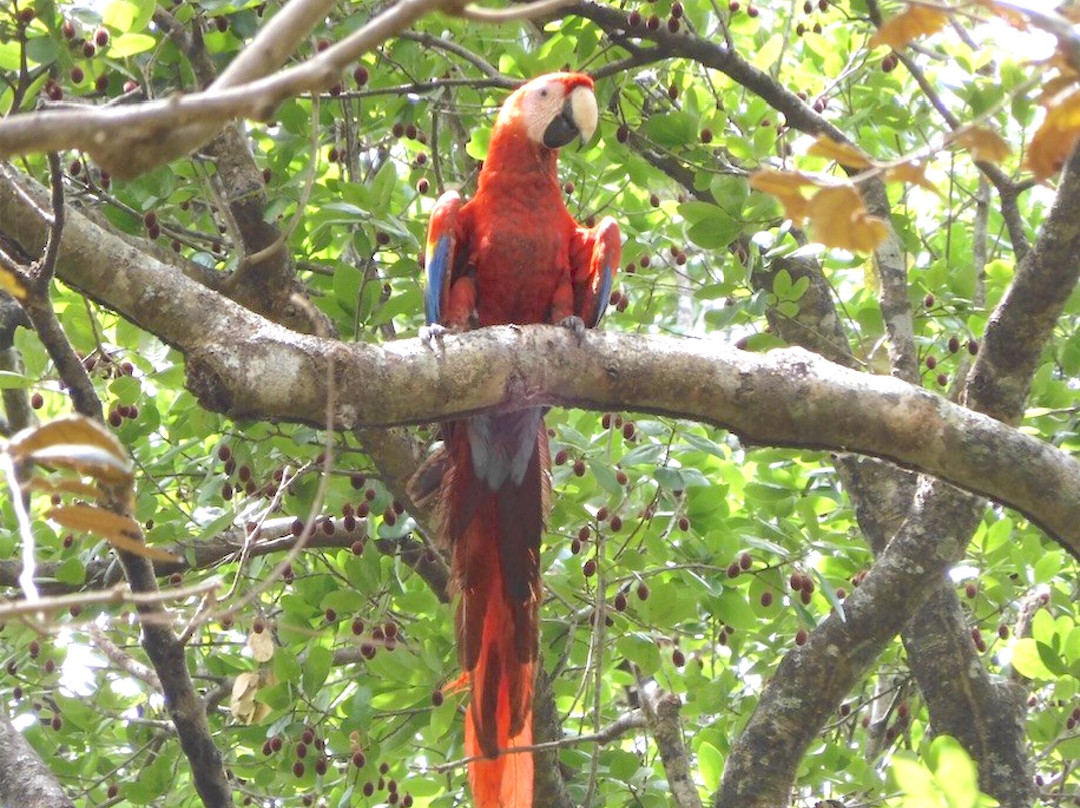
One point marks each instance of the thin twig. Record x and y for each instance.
(117, 594)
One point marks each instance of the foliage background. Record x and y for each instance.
(684, 541)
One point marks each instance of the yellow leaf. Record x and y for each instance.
(122, 532)
(73, 429)
(1054, 139)
(261, 645)
(11, 284)
(985, 145)
(64, 486)
(916, 21)
(840, 219)
(912, 174)
(843, 153)
(785, 186)
(85, 459)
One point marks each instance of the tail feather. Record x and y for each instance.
(494, 535)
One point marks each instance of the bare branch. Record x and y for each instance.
(114, 595)
(130, 139)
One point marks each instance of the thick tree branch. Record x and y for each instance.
(128, 140)
(25, 780)
(931, 539)
(662, 713)
(983, 714)
(245, 366)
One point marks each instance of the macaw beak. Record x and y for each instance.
(578, 118)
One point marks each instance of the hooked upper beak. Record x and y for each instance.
(578, 118)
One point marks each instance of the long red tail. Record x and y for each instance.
(494, 495)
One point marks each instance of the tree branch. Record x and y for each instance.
(244, 366)
(25, 780)
(130, 139)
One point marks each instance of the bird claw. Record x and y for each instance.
(432, 335)
(576, 326)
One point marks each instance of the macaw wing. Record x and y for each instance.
(596, 260)
(441, 255)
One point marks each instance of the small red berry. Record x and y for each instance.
(678, 658)
(801, 637)
(766, 599)
(101, 37)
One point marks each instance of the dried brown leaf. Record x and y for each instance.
(64, 486)
(787, 186)
(914, 22)
(840, 219)
(911, 174)
(261, 645)
(84, 459)
(70, 430)
(1055, 137)
(122, 532)
(984, 145)
(845, 154)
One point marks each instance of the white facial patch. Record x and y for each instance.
(542, 102)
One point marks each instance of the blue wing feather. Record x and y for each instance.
(441, 254)
(438, 270)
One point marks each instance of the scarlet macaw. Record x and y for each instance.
(513, 254)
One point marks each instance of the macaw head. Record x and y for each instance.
(552, 109)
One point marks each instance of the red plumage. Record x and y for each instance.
(513, 254)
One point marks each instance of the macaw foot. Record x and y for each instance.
(576, 325)
(432, 335)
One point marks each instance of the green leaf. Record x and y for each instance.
(711, 765)
(671, 129)
(130, 44)
(71, 571)
(316, 669)
(10, 381)
(1028, 659)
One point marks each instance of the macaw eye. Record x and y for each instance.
(544, 93)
